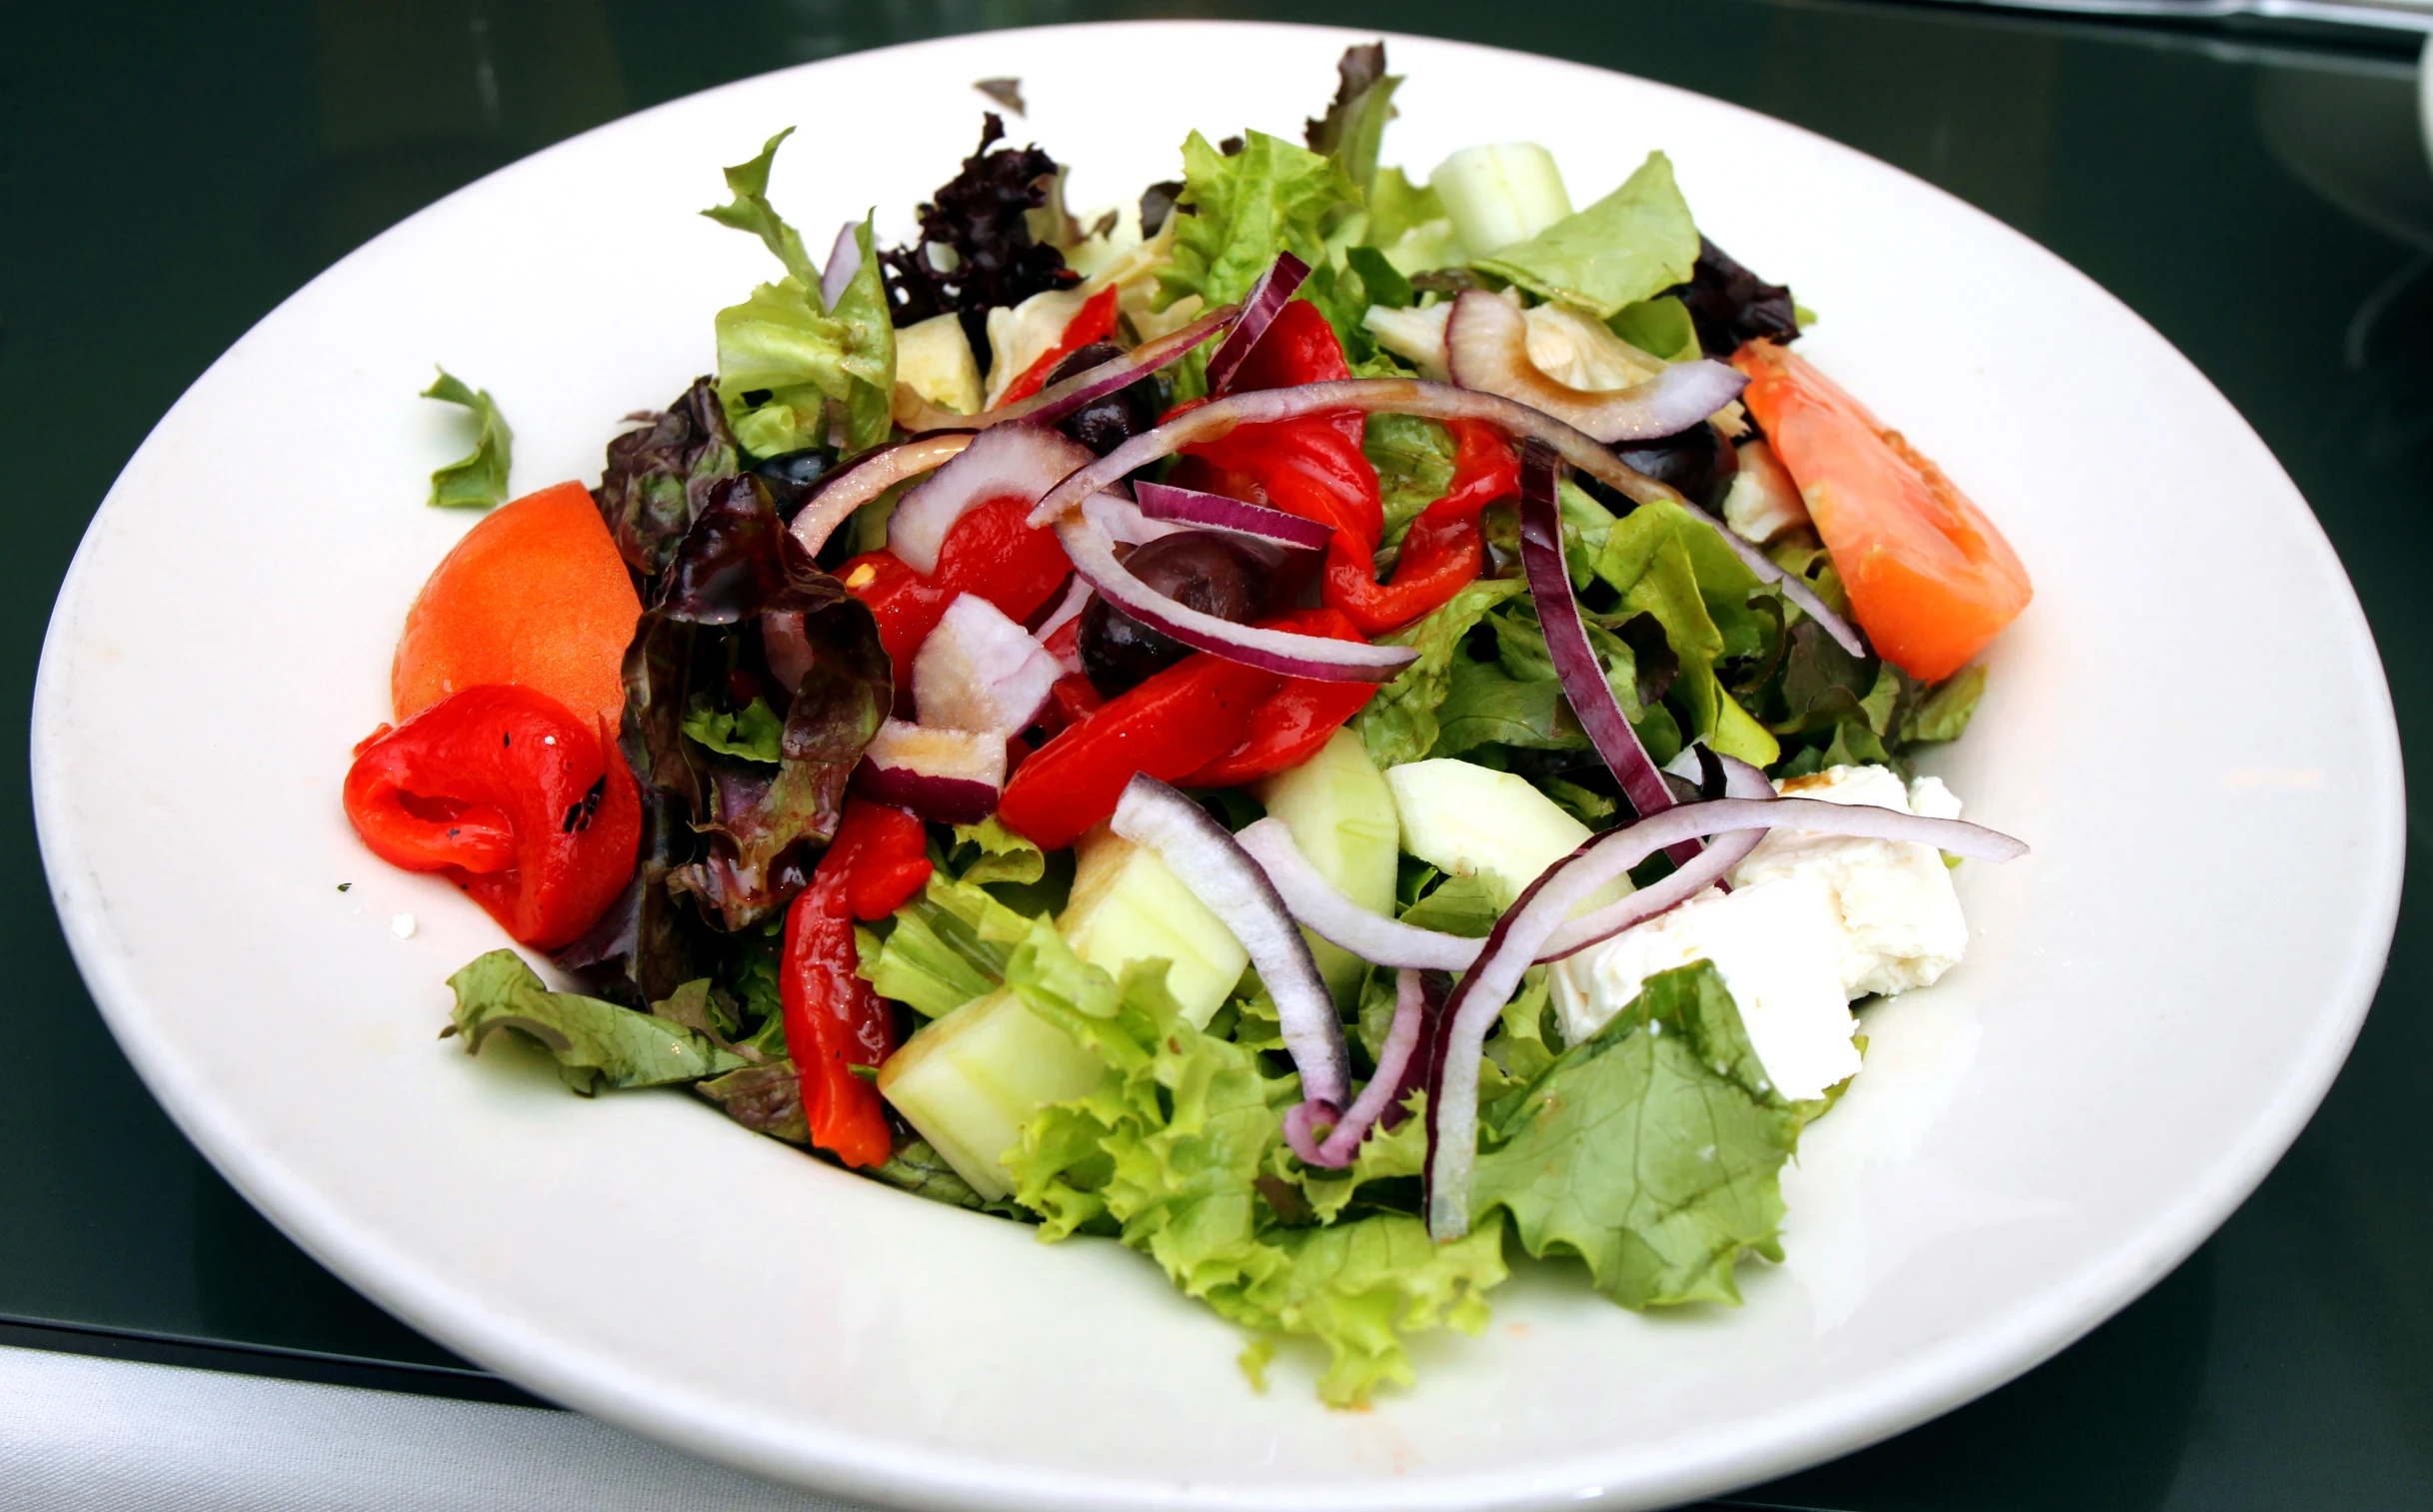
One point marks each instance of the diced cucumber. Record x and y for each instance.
(1126, 906)
(1462, 818)
(1501, 194)
(1342, 817)
(970, 1080)
(934, 358)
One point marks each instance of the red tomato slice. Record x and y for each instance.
(1930, 580)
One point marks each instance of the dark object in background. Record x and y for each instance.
(1730, 305)
(790, 477)
(980, 217)
(1197, 569)
(1698, 462)
(1107, 422)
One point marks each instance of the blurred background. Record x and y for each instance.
(2252, 179)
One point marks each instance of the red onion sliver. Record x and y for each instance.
(1530, 925)
(1386, 1090)
(949, 776)
(1059, 400)
(1576, 665)
(979, 671)
(1432, 401)
(1260, 308)
(1014, 461)
(1125, 521)
(1068, 608)
(1163, 501)
(866, 478)
(1319, 658)
(1487, 347)
(1332, 915)
(843, 261)
(1200, 852)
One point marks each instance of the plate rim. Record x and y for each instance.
(1935, 1380)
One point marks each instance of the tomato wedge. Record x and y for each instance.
(1929, 578)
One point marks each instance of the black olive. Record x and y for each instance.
(1109, 421)
(1197, 569)
(1699, 462)
(791, 475)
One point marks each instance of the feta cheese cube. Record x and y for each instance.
(1775, 948)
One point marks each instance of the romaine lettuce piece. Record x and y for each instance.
(1631, 245)
(596, 1043)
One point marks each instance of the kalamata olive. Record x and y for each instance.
(1109, 421)
(1699, 462)
(1195, 568)
(791, 475)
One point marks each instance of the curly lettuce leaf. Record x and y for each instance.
(1653, 1152)
(754, 733)
(1177, 1151)
(751, 211)
(1631, 245)
(1399, 723)
(596, 1043)
(978, 250)
(659, 475)
(478, 481)
(946, 947)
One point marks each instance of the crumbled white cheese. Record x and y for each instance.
(1774, 946)
(1812, 922)
(1900, 920)
(402, 926)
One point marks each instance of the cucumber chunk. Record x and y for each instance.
(970, 1080)
(1464, 818)
(1342, 817)
(1501, 194)
(1126, 906)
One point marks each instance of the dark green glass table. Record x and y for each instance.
(170, 171)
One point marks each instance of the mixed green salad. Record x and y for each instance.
(1326, 727)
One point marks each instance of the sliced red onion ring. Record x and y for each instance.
(1319, 658)
(1068, 608)
(1410, 396)
(1576, 665)
(1125, 521)
(1384, 1091)
(1260, 308)
(1390, 942)
(866, 478)
(1200, 852)
(1161, 500)
(1023, 461)
(1527, 929)
(843, 261)
(950, 777)
(980, 670)
(1487, 347)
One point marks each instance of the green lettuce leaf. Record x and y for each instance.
(596, 1043)
(1660, 326)
(947, 947)
(1176, 1153)
(479, 481)
(1943, 714)
(1273, 196)
(1399, 723)
(1355, 124)
(754, 732)
(1653, 1152)
(1634, 243)
(1415, 462)
(1666, 562)
(751, 211)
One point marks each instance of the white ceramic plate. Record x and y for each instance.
(2190, 725)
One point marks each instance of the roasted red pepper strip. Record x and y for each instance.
(1312, 467)
(1174, 723)
(1094, 320)
(1295, 719)
(528, 808)
(1444, 551)
(833, 1022)
(992, 552)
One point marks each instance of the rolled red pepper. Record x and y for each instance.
(528, 808)
(1312, 467)
(1295, 719)
(833, 1022)
(1174, 723)
(992, 551)
(1444, 551)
